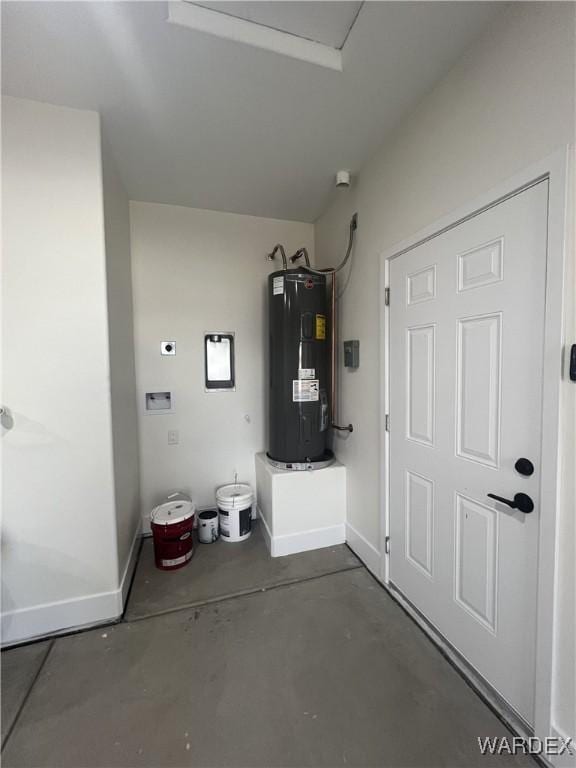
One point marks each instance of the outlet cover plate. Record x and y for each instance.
(167, 347)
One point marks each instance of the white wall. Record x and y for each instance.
(59, 555)
(508, 103)
(196, 271)
(122, 365)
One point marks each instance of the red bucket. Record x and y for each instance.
(172, 525)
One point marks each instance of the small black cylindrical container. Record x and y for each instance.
(299, 366)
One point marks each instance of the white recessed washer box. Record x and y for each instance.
(159, 402)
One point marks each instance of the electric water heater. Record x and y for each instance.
(299, 415)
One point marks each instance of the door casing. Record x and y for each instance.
(557, 169)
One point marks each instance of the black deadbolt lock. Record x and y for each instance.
(524, 467)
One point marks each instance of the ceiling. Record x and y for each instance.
(196, 120)
(324, 22)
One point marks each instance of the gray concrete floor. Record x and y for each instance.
(325, 671)
(226, 569)
(19, 669)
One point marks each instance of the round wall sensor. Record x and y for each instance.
(343, 179)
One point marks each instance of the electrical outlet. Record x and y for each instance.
(173, 437)
(167, 347)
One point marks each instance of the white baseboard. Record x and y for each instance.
(25, 624)
(304, 541)
(130, 567)
(368, 553)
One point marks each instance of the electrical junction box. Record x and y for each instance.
(352, 354)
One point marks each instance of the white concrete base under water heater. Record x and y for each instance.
(301, 510)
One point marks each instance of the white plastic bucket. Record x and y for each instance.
(207, 526)
(234, 504)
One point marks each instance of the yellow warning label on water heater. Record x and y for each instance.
(320, 327)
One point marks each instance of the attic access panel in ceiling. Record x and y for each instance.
(311, 31)
(323, 22)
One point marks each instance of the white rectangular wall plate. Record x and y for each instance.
(167, 347)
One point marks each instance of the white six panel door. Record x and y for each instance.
(466, 357)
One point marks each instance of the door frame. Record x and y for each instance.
(557, 168)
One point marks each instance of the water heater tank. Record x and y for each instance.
(299, 368)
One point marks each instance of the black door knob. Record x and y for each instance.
(521, 502)
(524, 467)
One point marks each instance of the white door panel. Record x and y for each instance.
(466, 355)
(420, 378)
